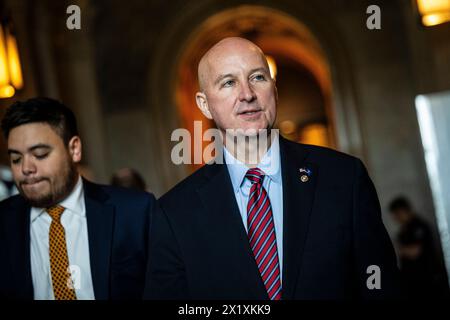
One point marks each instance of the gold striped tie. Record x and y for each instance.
(59, 262)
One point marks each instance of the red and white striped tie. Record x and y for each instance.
(261, 233)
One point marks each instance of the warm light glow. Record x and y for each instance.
(315, 134)
(15, 71)
(7, 91)
(435, 19)
(10, 70)
(272, 66)
(434, 12)
(4, 73)
(287, 127)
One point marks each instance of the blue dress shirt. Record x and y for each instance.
(271, 165)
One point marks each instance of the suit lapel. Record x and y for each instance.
(298, 199)
(100, 222)
(224, 219)
(18, 242)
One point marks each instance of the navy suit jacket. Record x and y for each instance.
(118, 222)
(332, 233)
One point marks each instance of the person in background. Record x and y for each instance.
(128, 178)
(7, 187)
(418, 266)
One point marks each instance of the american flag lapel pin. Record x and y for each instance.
(305, 174)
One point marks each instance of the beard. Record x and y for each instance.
(60, 187)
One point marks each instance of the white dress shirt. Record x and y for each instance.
(271, 165)
(74, 222)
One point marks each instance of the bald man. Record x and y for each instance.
(276, 219)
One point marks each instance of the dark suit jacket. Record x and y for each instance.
(332, 233)
(118, 223)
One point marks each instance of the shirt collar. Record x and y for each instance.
(270, 164)
(73, 203)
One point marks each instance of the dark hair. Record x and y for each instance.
(43, 110)
(399, 203)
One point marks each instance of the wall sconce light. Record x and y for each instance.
(10, 68)
(434, 12)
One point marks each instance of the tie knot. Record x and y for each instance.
(55, 212)
(255, 175)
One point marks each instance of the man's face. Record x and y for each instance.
(401, 215)
(238, 90)
(43, 167)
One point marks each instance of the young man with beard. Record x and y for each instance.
(63, 237)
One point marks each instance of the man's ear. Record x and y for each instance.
(202, 104)
(75, 149)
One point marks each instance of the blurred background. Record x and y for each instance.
(130, 75)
